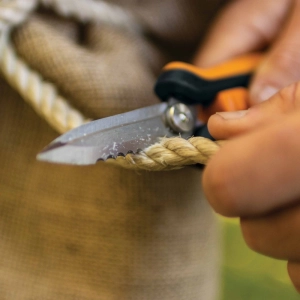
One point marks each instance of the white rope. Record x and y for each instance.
(96, 12)
(41, 95)
(14, 12)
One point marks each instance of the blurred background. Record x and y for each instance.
(247, 275)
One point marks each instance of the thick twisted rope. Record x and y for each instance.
(96, 12)
(14, 12)
(168, 154)
(40, 94)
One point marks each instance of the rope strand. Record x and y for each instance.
(170, 154)
(40, 94)
(15, 12)
(96, 12)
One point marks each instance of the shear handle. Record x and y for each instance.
(193, 85)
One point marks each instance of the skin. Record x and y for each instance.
(262, 165)
(261, 157)
(253, 25)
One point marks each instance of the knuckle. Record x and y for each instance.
(283, 136)
(253, 237)
(294, 273)
(217, 186)
(290, 96)
(287, 62)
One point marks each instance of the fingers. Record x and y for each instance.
(294, 273)
(249, 25)
(258, 172)
(275, 235)
(282, 64)
(225, 125)
(243, 26)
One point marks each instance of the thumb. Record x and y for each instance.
(224, 125)
(243, 26)
(281, 66)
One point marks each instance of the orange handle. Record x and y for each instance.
(226, 100)
(241, 65)
(218, 88)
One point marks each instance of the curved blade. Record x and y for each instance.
(109, 137)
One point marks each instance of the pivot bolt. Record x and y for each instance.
(180, 118)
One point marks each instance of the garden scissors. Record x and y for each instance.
(189, 96)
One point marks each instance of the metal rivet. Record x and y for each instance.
(180, 118)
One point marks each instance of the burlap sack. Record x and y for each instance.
(100, 232)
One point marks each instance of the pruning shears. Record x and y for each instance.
(189, 96)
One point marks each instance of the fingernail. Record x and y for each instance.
(231, 115)
(264, 93)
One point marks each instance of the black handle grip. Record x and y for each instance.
(192, 89)
(203, 131)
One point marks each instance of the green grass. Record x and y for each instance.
(247, 275)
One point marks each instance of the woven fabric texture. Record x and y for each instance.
(101, 232)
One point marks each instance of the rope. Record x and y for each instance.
(96, 12)
(14, 12)
(40, 94)
(168, 154)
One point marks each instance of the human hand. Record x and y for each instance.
(255, 175)
(250, 25)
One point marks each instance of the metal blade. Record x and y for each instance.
(109, 137)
